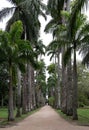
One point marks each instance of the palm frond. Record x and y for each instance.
(86, 59)
(52, 53)
(15, 17)
(5, 12)
(16, 31)
(50, 25)
(84, 31)
(43, 14)
(74, 13)
(85, 40)
(55, 7)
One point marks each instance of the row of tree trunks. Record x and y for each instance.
(69, 83)
(28, 92)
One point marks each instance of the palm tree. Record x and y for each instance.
(54, 8)
(76, 9)
(13, 50)
(23, 10)
(40, 50)
(79, 37)
(28, 12)
(40, 84)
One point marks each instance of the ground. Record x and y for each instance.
(45, 119)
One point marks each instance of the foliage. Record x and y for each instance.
(83, 86)
(51, 101)
(52, 83)
(3, 85)
(75, 10)
(41, 77)
(28, 12)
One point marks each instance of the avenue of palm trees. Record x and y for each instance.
(23, 84)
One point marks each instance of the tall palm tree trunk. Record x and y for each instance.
(28, 86)
(33, 89)
(24, 95)
(18, 93)
(63, 88)
(69, 77)
(69, 90)
(10, 105)
(58, 80)
(75, 86)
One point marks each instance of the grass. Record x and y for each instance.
(83, 117)
(4, 114)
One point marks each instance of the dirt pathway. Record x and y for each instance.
(45, 119)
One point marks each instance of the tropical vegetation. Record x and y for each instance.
(23, 83)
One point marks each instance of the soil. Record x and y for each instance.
(45, 119)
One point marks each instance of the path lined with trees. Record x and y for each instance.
(45, 119)
(23, 84)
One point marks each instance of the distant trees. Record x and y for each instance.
(83, 86)
(52, 85)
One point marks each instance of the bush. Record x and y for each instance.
(51, 101)
(80, 104)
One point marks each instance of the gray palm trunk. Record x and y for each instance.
(69, 79)
(63, 88)
(28, 87)
(75, 86)
(64, 76)
(10, 105)
(33, 88)
(58, 80)
(24, 94)
(67, 85)
(69, 90)
(18, 93)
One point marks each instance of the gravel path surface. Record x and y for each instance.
(45, 119)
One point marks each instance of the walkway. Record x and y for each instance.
(45, 119)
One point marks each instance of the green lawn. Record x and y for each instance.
(83, 116)
(4, 116)
(3, 113)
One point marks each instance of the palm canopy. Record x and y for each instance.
(80, 36)
(40, 48)
(75, 10)
(27, 11)
(55, 6)
(60, 39)
(13, 50)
